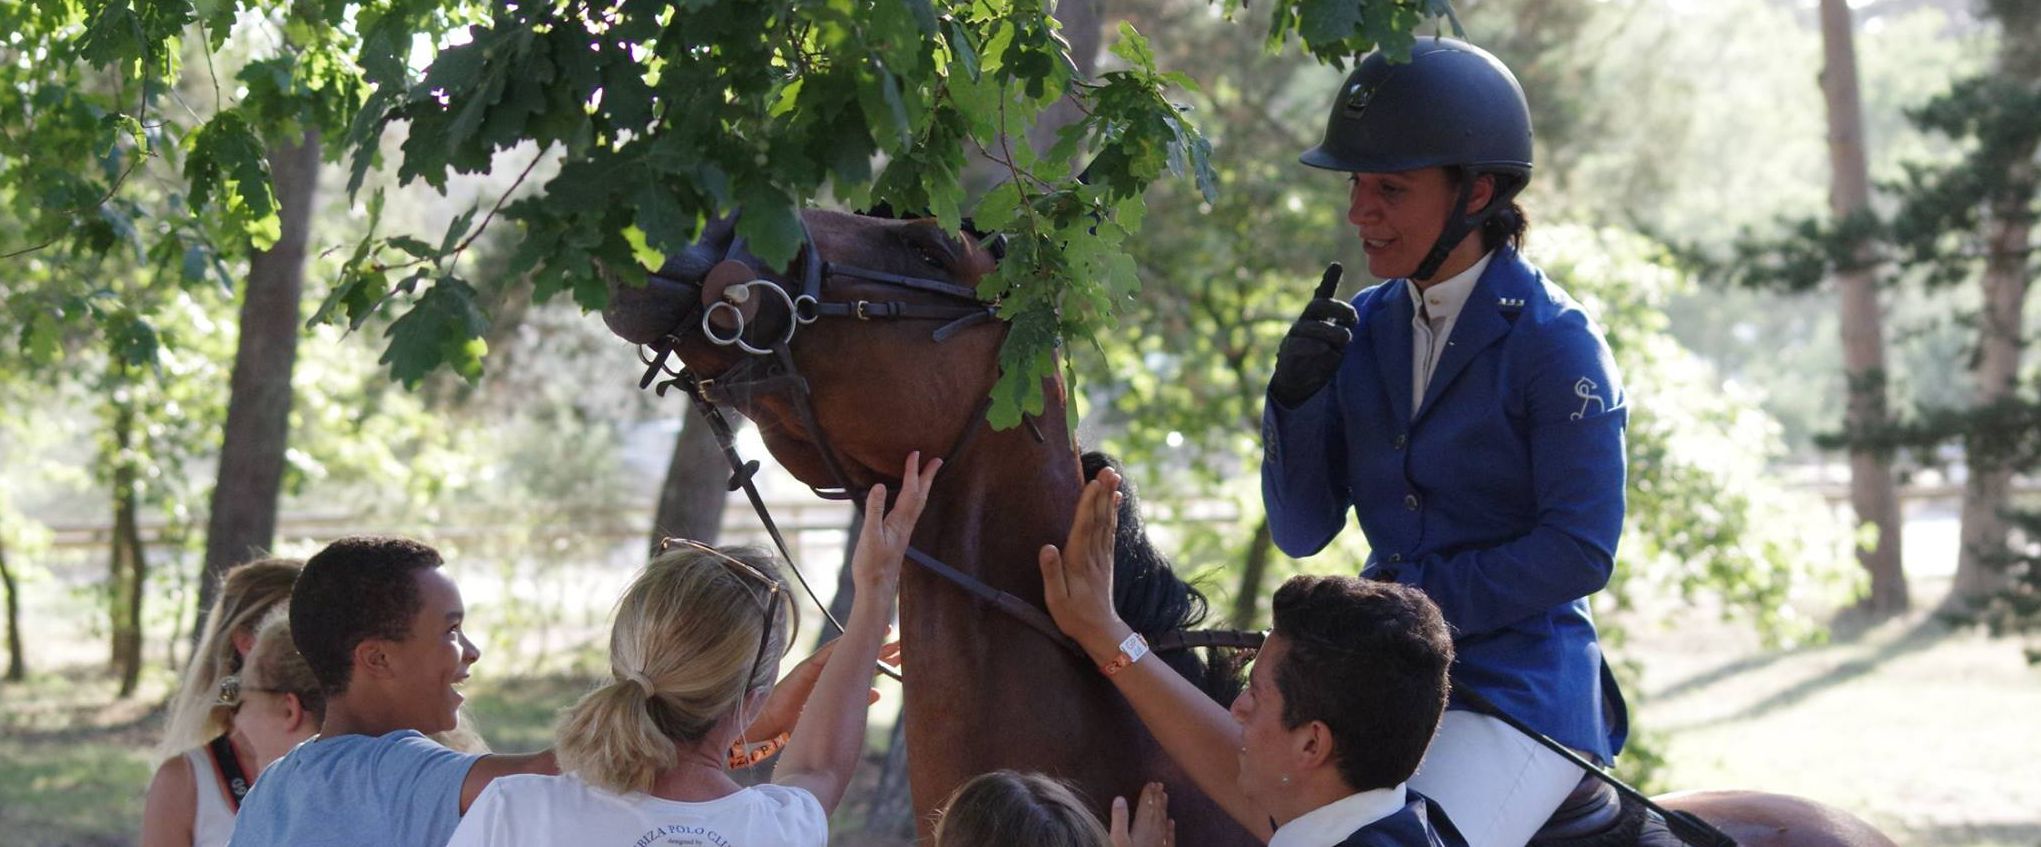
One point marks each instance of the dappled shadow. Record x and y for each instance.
(1728, 671)
(1925, 633)
(32, 713)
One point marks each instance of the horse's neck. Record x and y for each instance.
(1004, 497)
(978, 678)
(987, 692)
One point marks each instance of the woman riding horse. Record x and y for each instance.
(1468, 412)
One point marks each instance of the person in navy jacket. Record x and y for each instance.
(1469, 414)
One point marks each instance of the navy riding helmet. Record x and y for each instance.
(1452, 104)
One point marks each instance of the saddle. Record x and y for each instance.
(1594, 815)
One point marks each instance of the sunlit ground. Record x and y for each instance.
(1928, 733)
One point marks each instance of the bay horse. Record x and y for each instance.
(839, 402)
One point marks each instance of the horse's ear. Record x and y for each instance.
(990, 242)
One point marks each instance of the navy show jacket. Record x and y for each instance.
(1502, 499)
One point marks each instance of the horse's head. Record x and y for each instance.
(876, 316)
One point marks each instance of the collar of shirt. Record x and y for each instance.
(1331, 823)
(1445, 299)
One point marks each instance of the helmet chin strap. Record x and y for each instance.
(1459, 224)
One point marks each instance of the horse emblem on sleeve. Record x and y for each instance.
(1585, 390)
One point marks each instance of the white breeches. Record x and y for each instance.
(1496, 784)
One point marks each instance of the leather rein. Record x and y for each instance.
(769, 366)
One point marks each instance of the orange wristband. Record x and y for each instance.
(743, 757)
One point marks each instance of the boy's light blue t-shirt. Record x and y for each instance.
(400, 789)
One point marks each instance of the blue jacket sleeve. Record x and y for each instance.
(1576, 411)
(1303, 480)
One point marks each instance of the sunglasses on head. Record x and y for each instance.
(771, 596)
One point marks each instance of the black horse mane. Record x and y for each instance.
(1153, 600)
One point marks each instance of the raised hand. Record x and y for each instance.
(1151, 825)
(875, 564)
(1311, 353)
(783, 706)
(1077, 580)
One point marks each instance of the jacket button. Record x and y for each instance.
(1402, 441)
(1410, 502)
(1396, 557)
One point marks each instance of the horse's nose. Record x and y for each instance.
(642, 314)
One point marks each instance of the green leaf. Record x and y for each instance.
(965, 56)
(999, 209)
(413, 247)
(1134, 48)
(889, 87)
(133, 340)
(42, 338)
(456, 228)
(194, 265)
(646, 256)
(924, 15)
(668, 226)
(226, 158)
(444, 327)
(1327, 22)
(770, 222)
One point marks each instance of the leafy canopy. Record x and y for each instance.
(664, 116)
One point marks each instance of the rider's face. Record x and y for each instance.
(1400, 215)
(1266, 746)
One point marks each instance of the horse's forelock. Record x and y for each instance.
(1151, 598)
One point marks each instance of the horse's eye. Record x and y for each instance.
(932, 258)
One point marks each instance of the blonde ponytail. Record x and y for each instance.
(687, 636)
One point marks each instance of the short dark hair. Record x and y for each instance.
(358, 588)
(1369, 659)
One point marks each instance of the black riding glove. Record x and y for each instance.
(1311, 352)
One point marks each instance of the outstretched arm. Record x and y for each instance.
(1202, 737)
(830, 736)
(487, 768)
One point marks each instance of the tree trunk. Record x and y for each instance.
(241, 522)
(1986, 496)
(1872, 490)
(697, 484)
(129, 569)
(2008, 226)
(17, 665)
(890, 814)
(1247, 600)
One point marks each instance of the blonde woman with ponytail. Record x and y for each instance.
(207, 762)
(693, 656)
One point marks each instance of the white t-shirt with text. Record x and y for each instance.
(547, 810)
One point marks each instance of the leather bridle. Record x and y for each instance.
(770, 366)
